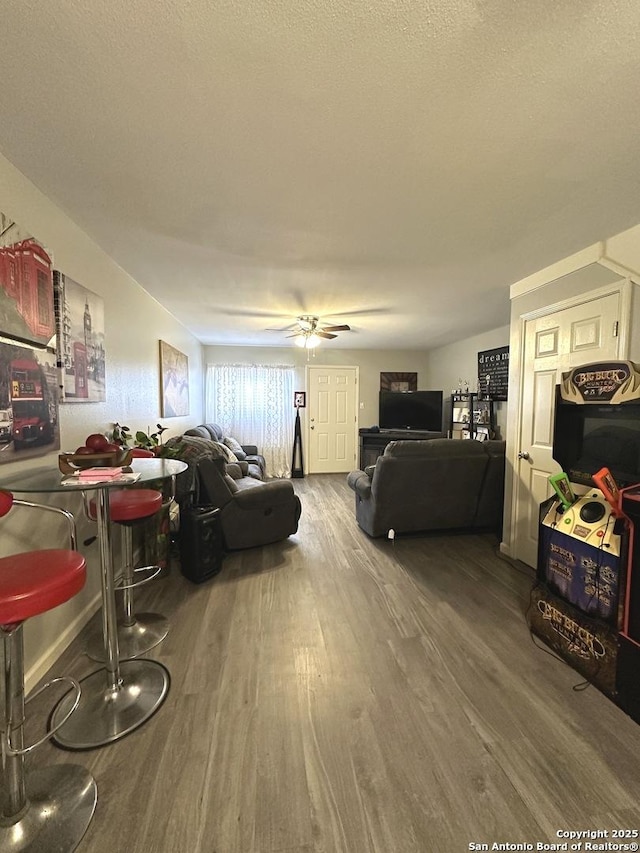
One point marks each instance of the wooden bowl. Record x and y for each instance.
(69, 463)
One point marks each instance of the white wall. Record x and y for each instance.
(134, 324)
(447, 365)
(437, 369)
(370, 362)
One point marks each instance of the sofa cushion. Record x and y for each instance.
(227, 454)
(234, 446)
(237, 470)
(210, 431)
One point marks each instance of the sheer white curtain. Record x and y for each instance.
(254, 404)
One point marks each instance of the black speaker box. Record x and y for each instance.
(201, 547)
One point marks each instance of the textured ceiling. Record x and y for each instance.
(393, 164)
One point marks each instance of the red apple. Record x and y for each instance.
(111, 447)
(97, 442)
(82, 451)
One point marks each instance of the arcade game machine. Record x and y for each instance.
(628, 678)
(586, 603)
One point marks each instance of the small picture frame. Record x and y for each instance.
(398, 381)
(300, 399)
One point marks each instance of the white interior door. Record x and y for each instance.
(333, 419)
(553, 344)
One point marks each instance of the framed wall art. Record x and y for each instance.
(398, 381)
(79, 341)
(26, 286)
(28, 402)
(174, 382)
(493, 373)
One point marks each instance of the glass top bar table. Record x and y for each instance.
(122, 695)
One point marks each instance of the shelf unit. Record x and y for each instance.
(472, 416)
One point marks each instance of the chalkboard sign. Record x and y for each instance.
(493, 373)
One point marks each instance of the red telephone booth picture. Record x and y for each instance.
(81, 373)
(26, 290)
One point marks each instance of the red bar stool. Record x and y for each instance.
(50, 808)
(137, 633)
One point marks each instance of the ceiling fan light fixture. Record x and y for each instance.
(307, 340)
(307, 323)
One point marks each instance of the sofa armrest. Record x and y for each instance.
(250, 449)
(360, 482)
(273, 493)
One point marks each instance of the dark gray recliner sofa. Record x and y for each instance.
(252, 512)
(432, 485)
(255, 462)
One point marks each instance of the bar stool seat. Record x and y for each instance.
(137, 633)
(129, 505)
(37, 581)
(50, 808)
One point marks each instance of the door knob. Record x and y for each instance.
(523, 455)
(312, 427)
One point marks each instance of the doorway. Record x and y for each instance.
(332, 425)
(552, 344)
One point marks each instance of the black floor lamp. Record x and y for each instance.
(297, 461)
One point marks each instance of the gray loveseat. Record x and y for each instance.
(431, 485)
(245, 453)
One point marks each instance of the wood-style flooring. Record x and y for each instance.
(337, 694)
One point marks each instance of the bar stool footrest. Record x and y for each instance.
(155, 572)
(74, 685)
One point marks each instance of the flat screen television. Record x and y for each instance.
(419, 410)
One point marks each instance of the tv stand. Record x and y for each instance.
(372, 444)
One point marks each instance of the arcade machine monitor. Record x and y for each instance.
(603, 428)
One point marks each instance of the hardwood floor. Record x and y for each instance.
(337, 694)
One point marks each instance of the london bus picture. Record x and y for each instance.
(28, 401)
(33, 403)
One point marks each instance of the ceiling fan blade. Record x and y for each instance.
(336, 328)
(288, 328)
(324, 335)
(296, 334)
(249, 312)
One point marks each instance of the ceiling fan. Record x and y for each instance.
(309, 332)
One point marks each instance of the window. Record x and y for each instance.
(253, 403)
